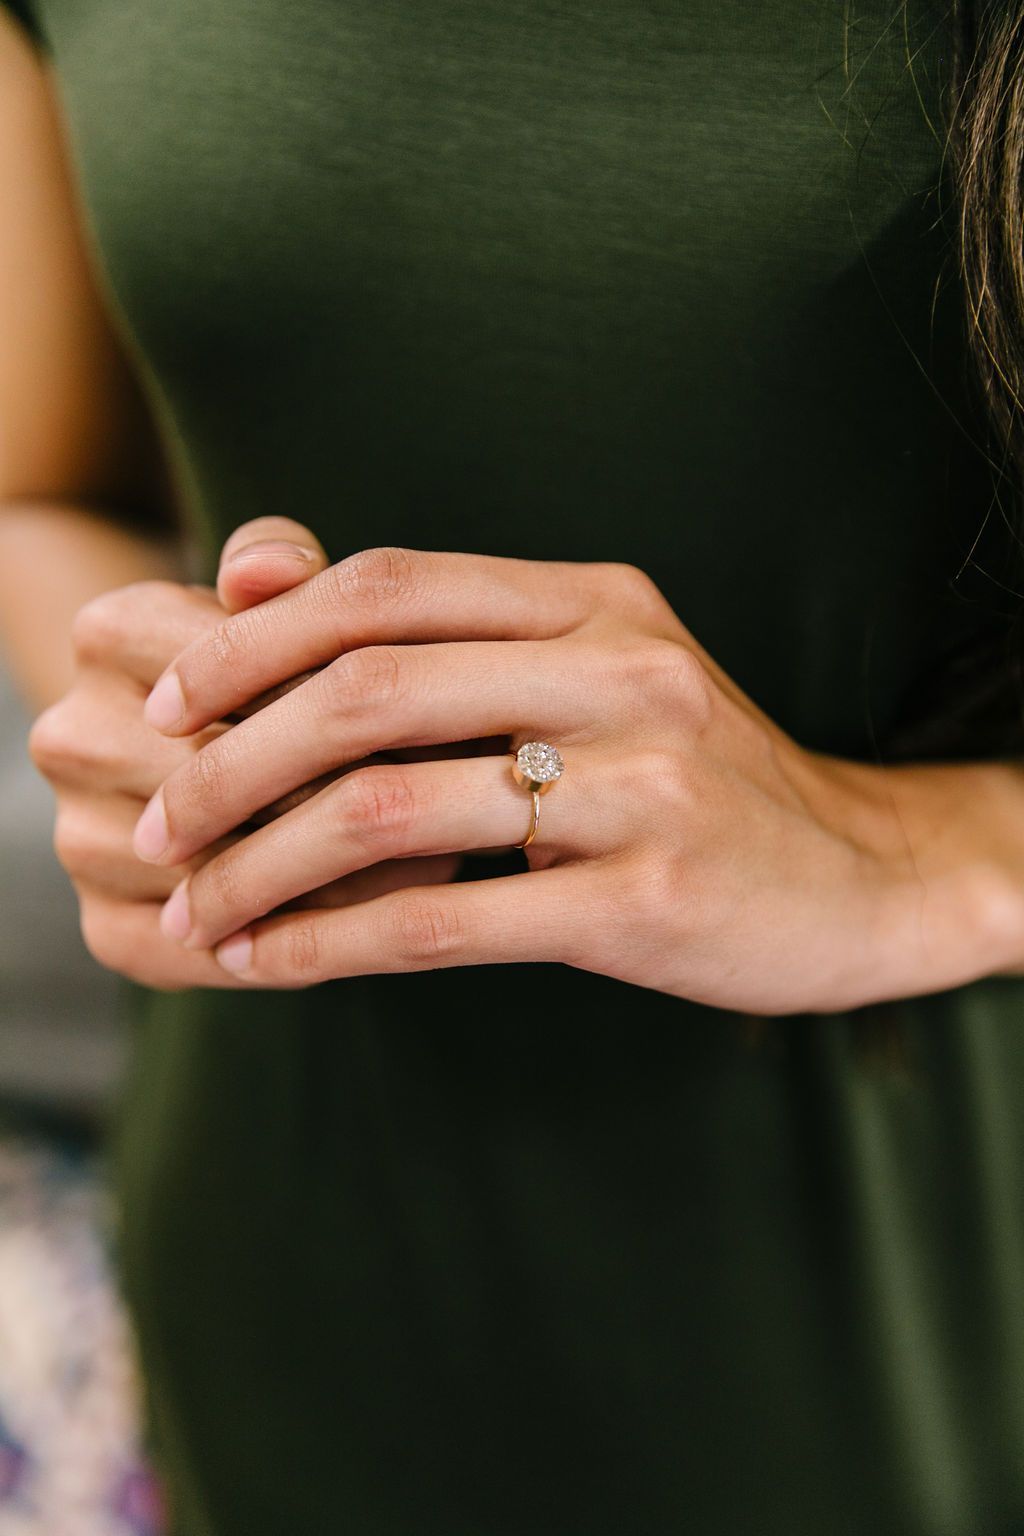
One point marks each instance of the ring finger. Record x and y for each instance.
(366, 701)
(389, 811)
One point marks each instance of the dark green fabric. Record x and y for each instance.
(524, 1251)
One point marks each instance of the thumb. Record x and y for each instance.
(264, 557)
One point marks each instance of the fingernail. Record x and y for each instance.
(235, 953)
(151, 835)
(175, 918)
(166, 704)
(271, 547)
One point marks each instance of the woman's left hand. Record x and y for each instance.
(690, 846)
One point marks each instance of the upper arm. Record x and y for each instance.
(74, 425)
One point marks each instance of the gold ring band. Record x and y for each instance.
(534, 824)
(535, 767)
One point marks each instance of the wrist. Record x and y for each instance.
(944, 850)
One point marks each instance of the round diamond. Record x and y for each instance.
(539, 762)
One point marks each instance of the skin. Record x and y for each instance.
(86, 503)
(94, 600)
(343, 732)
(691, 845)
(103, 776)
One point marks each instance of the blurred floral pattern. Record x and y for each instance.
(70, 1459)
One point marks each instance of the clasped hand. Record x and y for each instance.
(323, 760)
(317, 748)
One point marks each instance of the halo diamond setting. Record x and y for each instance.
(539, 763)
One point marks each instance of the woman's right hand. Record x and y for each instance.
(104, 761)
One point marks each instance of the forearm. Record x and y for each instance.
(950, 837)
(53, 558)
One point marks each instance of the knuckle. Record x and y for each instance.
(53, 743)
(657, 659)
(219, 887)
(377, 804)
(421, 931)
(630, 579)
(101, 935)
(201, 785)
(378, 577)
(304, 951)
(47, 738)
(98, 626)
(695, 685)
(663, 776)
(223, 648)
(630, 588)
(669, 666)
(74, 842)
(366, 679)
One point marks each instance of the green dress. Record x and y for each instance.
(524, 1251)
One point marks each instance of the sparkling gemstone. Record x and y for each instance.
(539, 762)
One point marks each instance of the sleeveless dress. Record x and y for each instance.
(521, 1250)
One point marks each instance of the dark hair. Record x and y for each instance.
(971, 704)
(985, 112)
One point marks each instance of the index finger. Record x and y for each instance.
(383, 595)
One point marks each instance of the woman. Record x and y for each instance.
(618, 361)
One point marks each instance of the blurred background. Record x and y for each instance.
(71, 1462)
